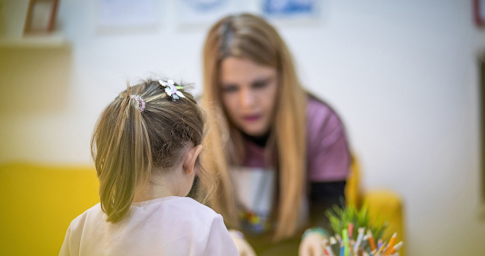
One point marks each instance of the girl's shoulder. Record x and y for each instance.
(94, 214)
(94, 211)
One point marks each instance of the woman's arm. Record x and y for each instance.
(328, 161)
(324, 195)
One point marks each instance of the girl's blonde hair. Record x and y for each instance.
(129, 144)
(252, 38)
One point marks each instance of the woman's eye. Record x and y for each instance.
(230, 88)
(260, 85)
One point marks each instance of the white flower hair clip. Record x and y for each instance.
(171, 89)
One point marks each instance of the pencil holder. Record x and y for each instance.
(355, 234)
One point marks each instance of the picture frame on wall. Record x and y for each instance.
(289, 8)
(206, 12)
(127, 16)
(40, 16)
(479, 12)
(481, 71)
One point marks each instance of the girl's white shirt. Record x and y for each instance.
(164, 226)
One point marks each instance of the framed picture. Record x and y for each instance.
(40, 16)
(482, 129)
(206, 12)
(479, 12)
(127, 16)
(289, 8)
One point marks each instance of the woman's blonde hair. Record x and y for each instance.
(250, 37)
(137, 136)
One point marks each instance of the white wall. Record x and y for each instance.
(402, 74)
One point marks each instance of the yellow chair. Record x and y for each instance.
(38, 202)
(383, 204)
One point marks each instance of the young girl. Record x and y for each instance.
(145, 147)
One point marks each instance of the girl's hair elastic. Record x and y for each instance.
(141, 102)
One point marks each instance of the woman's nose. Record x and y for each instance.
(247, 98)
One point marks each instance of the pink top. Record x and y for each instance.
(328, 160)
(328, 157)
(165, 226)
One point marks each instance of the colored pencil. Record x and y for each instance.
(350, 229)
(396, 248)
(391, 244)
(379, 244)
(327, 248)
(339, 239)
(372, 243)
(333, 243)
(345, 237)
(359, 238)
(364, 242)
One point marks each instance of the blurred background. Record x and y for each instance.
(403, 75)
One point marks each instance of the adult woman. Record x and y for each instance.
(277, 150)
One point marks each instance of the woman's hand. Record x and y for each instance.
(311, 245)
(242, 246)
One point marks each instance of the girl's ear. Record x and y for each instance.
(190, 158)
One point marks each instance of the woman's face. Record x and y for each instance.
(249, 94)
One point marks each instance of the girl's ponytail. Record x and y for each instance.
(122, 154)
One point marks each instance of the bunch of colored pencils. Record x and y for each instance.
(364, 245)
